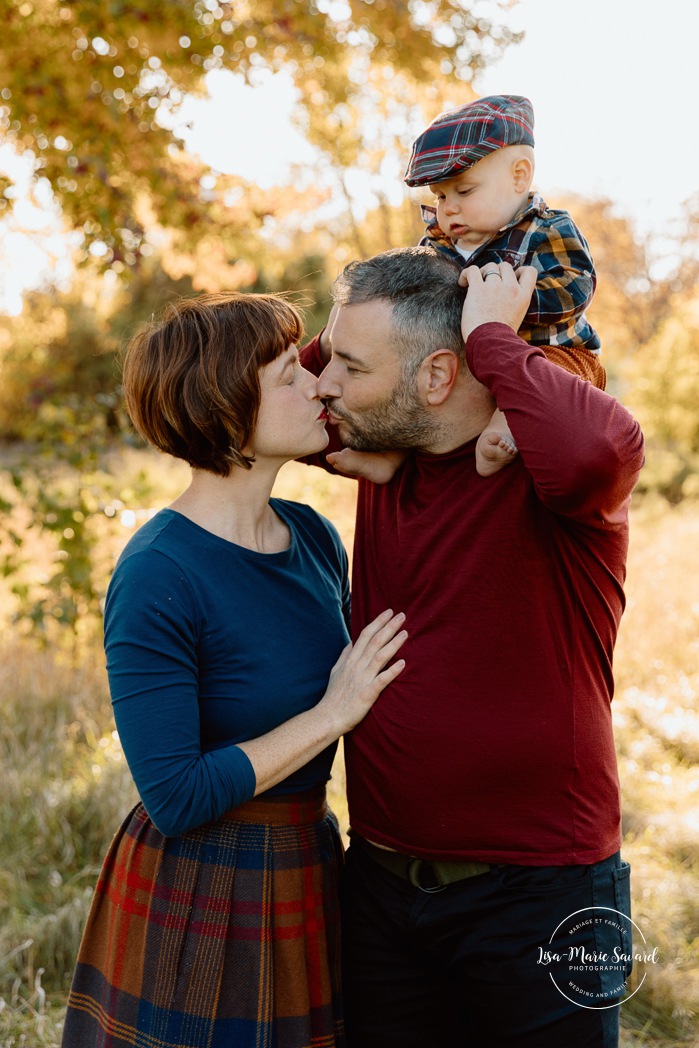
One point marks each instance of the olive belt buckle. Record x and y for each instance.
(414, 877)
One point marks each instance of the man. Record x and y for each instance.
(483, 788)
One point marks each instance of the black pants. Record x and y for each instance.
(467, 966)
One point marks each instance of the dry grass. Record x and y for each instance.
(64, 787)
(656, 713)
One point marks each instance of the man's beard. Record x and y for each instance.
(400, 421)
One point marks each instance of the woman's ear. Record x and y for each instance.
(437, 375)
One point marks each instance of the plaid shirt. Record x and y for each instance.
(551, 242)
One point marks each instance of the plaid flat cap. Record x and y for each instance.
(460, 138)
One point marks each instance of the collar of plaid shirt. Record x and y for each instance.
(535, 206)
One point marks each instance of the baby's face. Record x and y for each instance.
(473, 206)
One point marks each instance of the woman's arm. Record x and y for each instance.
(152, 628)
(356, 681)
(152, 622)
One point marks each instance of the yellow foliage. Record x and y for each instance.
(92, 90)
(664, 393)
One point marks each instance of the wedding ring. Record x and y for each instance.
(491, 273)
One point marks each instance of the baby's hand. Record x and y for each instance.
(376, 466)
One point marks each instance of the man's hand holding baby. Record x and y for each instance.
(496, 294)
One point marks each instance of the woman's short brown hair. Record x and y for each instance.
(191, 381)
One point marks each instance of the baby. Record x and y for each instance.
(478, 161)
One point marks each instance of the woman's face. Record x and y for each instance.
(291, 418)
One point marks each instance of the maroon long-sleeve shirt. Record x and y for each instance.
(495, 743)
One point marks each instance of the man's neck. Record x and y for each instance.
(462, 417)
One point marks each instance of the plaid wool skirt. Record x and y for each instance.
(225, 937)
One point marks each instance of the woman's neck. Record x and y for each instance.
(235, 508)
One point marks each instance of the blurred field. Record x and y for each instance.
(64, 787)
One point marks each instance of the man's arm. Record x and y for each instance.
(322, 351)
(312, 355)
(582, 448)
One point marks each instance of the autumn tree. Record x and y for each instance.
(90, 90)
(639, 288)
(663, 392)
(647, 313)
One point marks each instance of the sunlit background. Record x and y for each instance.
(613, 84)
(168, 149)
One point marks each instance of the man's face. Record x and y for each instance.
(372, 402)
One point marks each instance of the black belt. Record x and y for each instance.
(425, 874)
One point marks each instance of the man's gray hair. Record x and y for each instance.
(427, 299)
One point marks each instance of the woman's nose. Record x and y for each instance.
(311, 385)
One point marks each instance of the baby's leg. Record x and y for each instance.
(496, 446)
(378, 467)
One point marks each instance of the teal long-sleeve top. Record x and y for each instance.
(210, 644)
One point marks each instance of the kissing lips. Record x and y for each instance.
(333, 418)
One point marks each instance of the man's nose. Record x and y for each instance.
(328, 383)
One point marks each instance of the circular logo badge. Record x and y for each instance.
(591, 954)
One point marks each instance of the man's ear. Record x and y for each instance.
(522, 174)
(437, 375)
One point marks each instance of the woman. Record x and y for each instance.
(215, 917)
